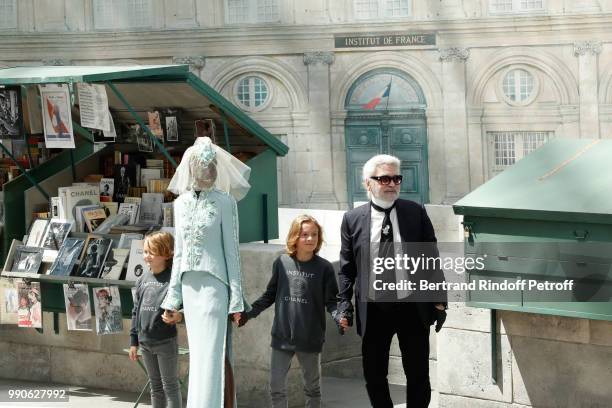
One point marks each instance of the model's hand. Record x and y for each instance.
(235, 318)
(133, 353)
(172, 317)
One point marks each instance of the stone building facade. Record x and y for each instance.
(495, 78)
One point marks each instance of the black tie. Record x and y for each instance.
(386, 250)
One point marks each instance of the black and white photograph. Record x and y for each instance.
(125, 177)
(56, 233)
(107, 306)
(94, 255)
(27, 259)
(67, 257)
(172, 132)
(99, 136)
(145, 144)
(78, 309)
(114, 264)
(11, 116)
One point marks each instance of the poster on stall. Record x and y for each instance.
(57, 118)
(93, 106)
(11, 117)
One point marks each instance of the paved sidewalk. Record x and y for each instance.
(337, 393)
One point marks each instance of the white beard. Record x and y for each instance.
(382, 203)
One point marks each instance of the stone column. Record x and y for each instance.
(587, 52)
(319, 146)
(456, 144)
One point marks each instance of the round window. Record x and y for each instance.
(518, 85)
(252, 92)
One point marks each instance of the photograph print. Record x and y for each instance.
(27, 259)
(29, 312)
(78, 311)
(56, 233)
(68, 256)
(11, 116)
(171, 124)
(94, 255)
(125, 177)
(145, 144)
(107, 306)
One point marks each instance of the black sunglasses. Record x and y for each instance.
(386, 180)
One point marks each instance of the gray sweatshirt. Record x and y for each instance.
(301, 292)
(147, 324)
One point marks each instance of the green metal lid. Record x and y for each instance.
(564, 180)
(65, 74)
(149, 86)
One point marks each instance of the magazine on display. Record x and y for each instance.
(125, 177)
(67, 257)
(81, 225)
(93, 218)
(27, 259)
(11, 116)
(151, 208)
(57, 116)
(78, 310)
(75, 196)
(107, 189)
(148, 174)
(56, 233)
(130, 209)
(125, 242)
(29, 310)
(115, 263)
(94, 255)
(107, 306)
(110, 208)
(37, 232)
(145, 143)
(136, 264)
(8, 302)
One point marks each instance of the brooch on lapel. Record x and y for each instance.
(385, 229)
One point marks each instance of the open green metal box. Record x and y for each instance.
(548, 218)
(132, 91)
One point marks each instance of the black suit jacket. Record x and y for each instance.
(414, 226)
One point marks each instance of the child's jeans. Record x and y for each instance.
(161, 362)
(279, 367)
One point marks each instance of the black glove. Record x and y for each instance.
(440, 318)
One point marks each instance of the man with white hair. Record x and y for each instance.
(376, 226)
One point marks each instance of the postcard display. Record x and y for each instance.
(93, 237)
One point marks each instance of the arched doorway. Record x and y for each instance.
(396, 125)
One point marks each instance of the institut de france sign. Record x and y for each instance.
(402, 39)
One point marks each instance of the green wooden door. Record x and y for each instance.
(395, 125)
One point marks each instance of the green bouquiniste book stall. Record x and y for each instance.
(548, 218)
(133, 91)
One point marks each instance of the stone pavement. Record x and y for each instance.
(337, 393)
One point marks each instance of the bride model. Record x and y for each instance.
(206, 278)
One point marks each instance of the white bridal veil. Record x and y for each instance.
(232, 174)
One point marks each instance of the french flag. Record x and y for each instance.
(378, 98)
